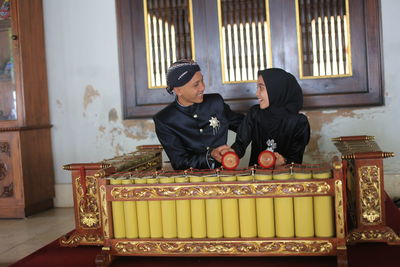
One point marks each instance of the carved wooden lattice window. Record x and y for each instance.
(324, 38)
(332, 47)
(245, 39)
(168, 37)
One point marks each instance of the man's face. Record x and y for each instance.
(192, 92)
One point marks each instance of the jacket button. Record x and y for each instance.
(195, 116)
(201, 130)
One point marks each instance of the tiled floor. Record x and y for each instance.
(21, 237)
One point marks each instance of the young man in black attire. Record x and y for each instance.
(194, 128)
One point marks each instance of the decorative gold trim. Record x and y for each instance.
(363, 138)
(370, 195)
(224, 247)
(383, 155)
(192, 30)
(104, 214)
(337, 165)
(76, 239)
(66, 167)
(100, 174)
(88, 203)
(269, 34)
(349, 156)
(300, 47)
(146, 33)
(340, 233)
(222, 49)
(218, 190)
(388, 154)
(387, 235)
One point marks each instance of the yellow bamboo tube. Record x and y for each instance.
(168, 209)
(283, 207)
(156, 228)
(303, 209)
(230, 211)
(198, 213)
(323, 210)
(265, 209)
(184, 226)
(131, 225)
(247, 212)
(118, 214)
(213, 213)
(142, 208)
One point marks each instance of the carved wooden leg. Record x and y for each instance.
(342, 257)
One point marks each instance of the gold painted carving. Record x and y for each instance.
(370, 195)
(148, 166)
(339, 209)
(386, 234)
(219, 190)
(224, 247)
(88, 203)
(104, 212)
(76, 239)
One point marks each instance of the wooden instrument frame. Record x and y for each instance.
(363, 161)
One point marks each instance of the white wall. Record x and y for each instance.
(85, 99)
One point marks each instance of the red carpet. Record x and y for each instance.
(368, 254)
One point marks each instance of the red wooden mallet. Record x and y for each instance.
(230, 160)
(266, 159)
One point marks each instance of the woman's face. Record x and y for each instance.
(262, 93)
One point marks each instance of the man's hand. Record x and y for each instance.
(218, 152)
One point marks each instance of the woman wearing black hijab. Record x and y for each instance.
(275, 123)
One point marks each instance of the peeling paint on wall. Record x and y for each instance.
(102, 129)
(90, 95)
(318, 119)
(138, 129)
(112, 115)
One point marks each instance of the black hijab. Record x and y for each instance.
(284, 92)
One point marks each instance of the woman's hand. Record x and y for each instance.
(280, 160)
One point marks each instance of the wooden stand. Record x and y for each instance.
(363, 160)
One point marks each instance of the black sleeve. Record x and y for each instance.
(234, 118)
(181, 157)
(300, 140)
(244, 134)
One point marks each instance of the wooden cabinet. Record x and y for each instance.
(26, 164)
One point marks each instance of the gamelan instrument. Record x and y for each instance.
(303, 210)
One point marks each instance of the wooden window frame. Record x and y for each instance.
(363, 88)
